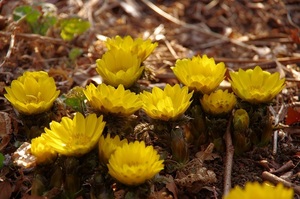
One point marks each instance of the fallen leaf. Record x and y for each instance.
(292, 116)
(5, 129)
(5, 190)
(22, 157)
(33, 197)
(171, 186)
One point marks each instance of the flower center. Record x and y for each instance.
(255, 90)
(34, 98)
(78, 139)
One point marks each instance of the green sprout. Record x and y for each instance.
(40, 17)
(72, 27)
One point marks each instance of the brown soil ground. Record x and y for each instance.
(242, 34)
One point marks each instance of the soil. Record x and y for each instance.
(242, 34)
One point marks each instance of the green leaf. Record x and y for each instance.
(39, 21)
(2, 158)
(47, 22)
(74, 53)
(72, 27)
(75, 99)
(48, 18)
(75, 103)
(31, 15)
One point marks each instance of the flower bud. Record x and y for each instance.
(179, 146)
(240, 120)
(241, 130)
(72, 179)
(38, 185)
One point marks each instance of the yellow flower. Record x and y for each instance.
(260, 191)
(74, 137)
(218, 102)
(256, 86)
(201, 74)
(108, 145)
(32, 93)
(108, 99)
(167, 104)
(43, 152)
(141, 48)
(119, 66)
(134, 163)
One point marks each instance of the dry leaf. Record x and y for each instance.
(5, 190)
(194, 173)
(5, 129)
(33, 197)
(171, 186)
(203, 176)
(22, 157)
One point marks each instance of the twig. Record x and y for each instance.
(163, 13)
(229, 158)
(11, 46)
(171, 49)
(286, 167)
(203, 29)
(276, 122)
(215, 192)
(289, 17)
(34, 37)
(275, 180)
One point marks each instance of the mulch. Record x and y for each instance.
(242, 34)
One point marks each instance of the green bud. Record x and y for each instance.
(241, 143)
(241, 131)
(179, 146)
(219, 144)
(240, 120)
(72, 184)
(197, 126)
(57, 177)
(267, 131)
(38, 185)
(72, 178)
